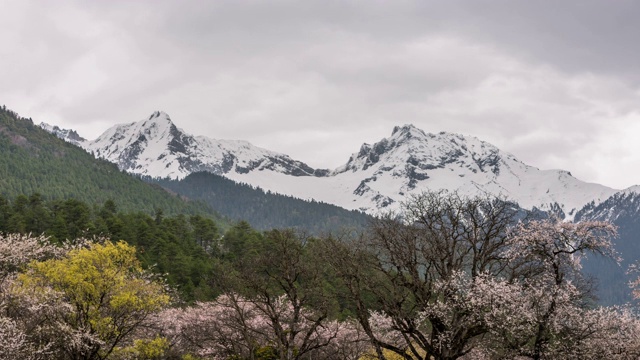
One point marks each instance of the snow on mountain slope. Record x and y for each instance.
(381, 175)
(377, 177)
(157, 148)
(622, 204)
(64, 134)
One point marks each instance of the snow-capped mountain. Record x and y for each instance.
(378, 176)
(381, 175)
(157, 148)
(411, 160)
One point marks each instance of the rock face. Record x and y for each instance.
(377, 177)
(69, 135)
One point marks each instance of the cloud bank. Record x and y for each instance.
(554, 83)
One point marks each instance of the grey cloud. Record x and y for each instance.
(540, 79)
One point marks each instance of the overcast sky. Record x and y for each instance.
(556, 83)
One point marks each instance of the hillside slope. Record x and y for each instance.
(623, 210)
(263, 210)
(34, 161)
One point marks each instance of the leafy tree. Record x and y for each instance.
(282, 280)
(37, 217)
(239, 240)
(108, 293)
(205, 233)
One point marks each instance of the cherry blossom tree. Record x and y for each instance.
(15, 343)
(544, 257)
(233, 326)
(456, 277)
(16, 251)
(409, 264)
(229, 326)
(283, 279)
(23, 335)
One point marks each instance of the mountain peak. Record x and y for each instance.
(157, 127)
(410, 133)
(411, 145)
(153, 138)
(159, 115)
(407, 131)
(404, 128)
(157, 118)
(154, 146)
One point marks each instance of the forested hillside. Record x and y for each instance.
(623, 210)
(178, 246)
(263, 210)
(35, 161)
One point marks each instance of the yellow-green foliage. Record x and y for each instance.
(105, 285)
(143, 349)
(388, 354)
(190, 357)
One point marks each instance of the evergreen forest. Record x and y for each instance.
(263, 210)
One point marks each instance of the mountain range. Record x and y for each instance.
(35, 162)
(377, 177)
